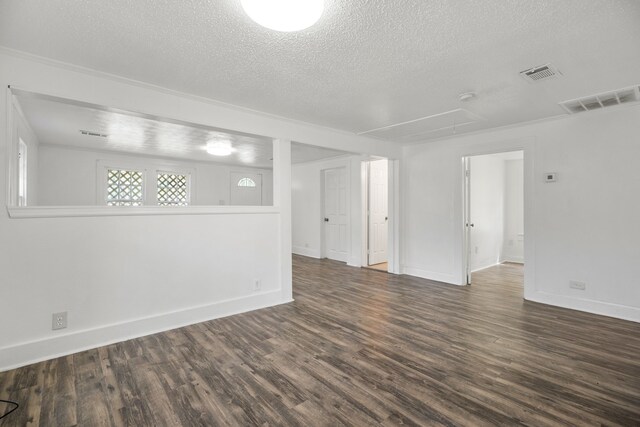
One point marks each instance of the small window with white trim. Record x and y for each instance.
(125, 187)
(173, 189)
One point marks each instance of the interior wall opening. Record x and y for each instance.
(74, 154)
(376, 214)
(344, 206)
(494, 212)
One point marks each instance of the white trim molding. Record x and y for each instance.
(308, 252)
(617, 311)
(431, 275)
(87, 211)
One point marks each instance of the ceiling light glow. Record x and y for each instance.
(220, 148)
(284, 15)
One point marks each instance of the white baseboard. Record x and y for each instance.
(354, 263)
(618, 311)
(310, 252)
(431, 275)
(484, 267)
(516, 259)
(23, 354)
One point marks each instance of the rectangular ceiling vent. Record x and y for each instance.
(602, 100)
(89, 133)
(543, 72)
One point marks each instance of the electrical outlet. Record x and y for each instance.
(577, 285)
(59, 321)
(257, 284)
(476, 249)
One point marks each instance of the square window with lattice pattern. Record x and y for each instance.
(124, 187)
(173, 189)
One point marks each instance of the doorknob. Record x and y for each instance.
(386, 218)
(326, 220)
(470, 225)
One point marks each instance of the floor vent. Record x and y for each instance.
(89, 133)
(602, 100)
(542, 72)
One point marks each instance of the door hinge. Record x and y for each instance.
(467, 173)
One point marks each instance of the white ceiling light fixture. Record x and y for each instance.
(220, 148)
(284, 15)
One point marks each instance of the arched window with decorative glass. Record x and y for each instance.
(246, 182)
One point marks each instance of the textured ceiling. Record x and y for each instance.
(59, 123)
(367, 64)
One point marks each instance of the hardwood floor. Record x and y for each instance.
(356, 348)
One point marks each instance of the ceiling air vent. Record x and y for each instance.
(89, 133)
(602, 100)
(542, 72)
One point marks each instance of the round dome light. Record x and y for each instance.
(220, 148)
(284, 15)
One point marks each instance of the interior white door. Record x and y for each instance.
(246, 189)
(378, 211)
(335, 214)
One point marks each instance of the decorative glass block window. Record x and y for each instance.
(173, 189)
(246, 182)
(124, 187)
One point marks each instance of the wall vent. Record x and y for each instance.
(89, 133)
(542, 72)
(602, 100)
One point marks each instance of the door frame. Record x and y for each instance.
(527, 146)
(393, 210)
(466, 212)
(366, 210)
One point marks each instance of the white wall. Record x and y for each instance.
(68, 176)
(486, 210)
(306, 199)
(583, 227)
(125, 276)
(513, 244)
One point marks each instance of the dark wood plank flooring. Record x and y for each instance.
(356, 348)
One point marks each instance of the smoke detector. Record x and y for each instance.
(541, 72)
(467, 96)
(602, 100)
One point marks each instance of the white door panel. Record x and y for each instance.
(335, 214)
(378, 211)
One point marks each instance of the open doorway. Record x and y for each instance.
(376, 190)
(494, 211)
(330, 195)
